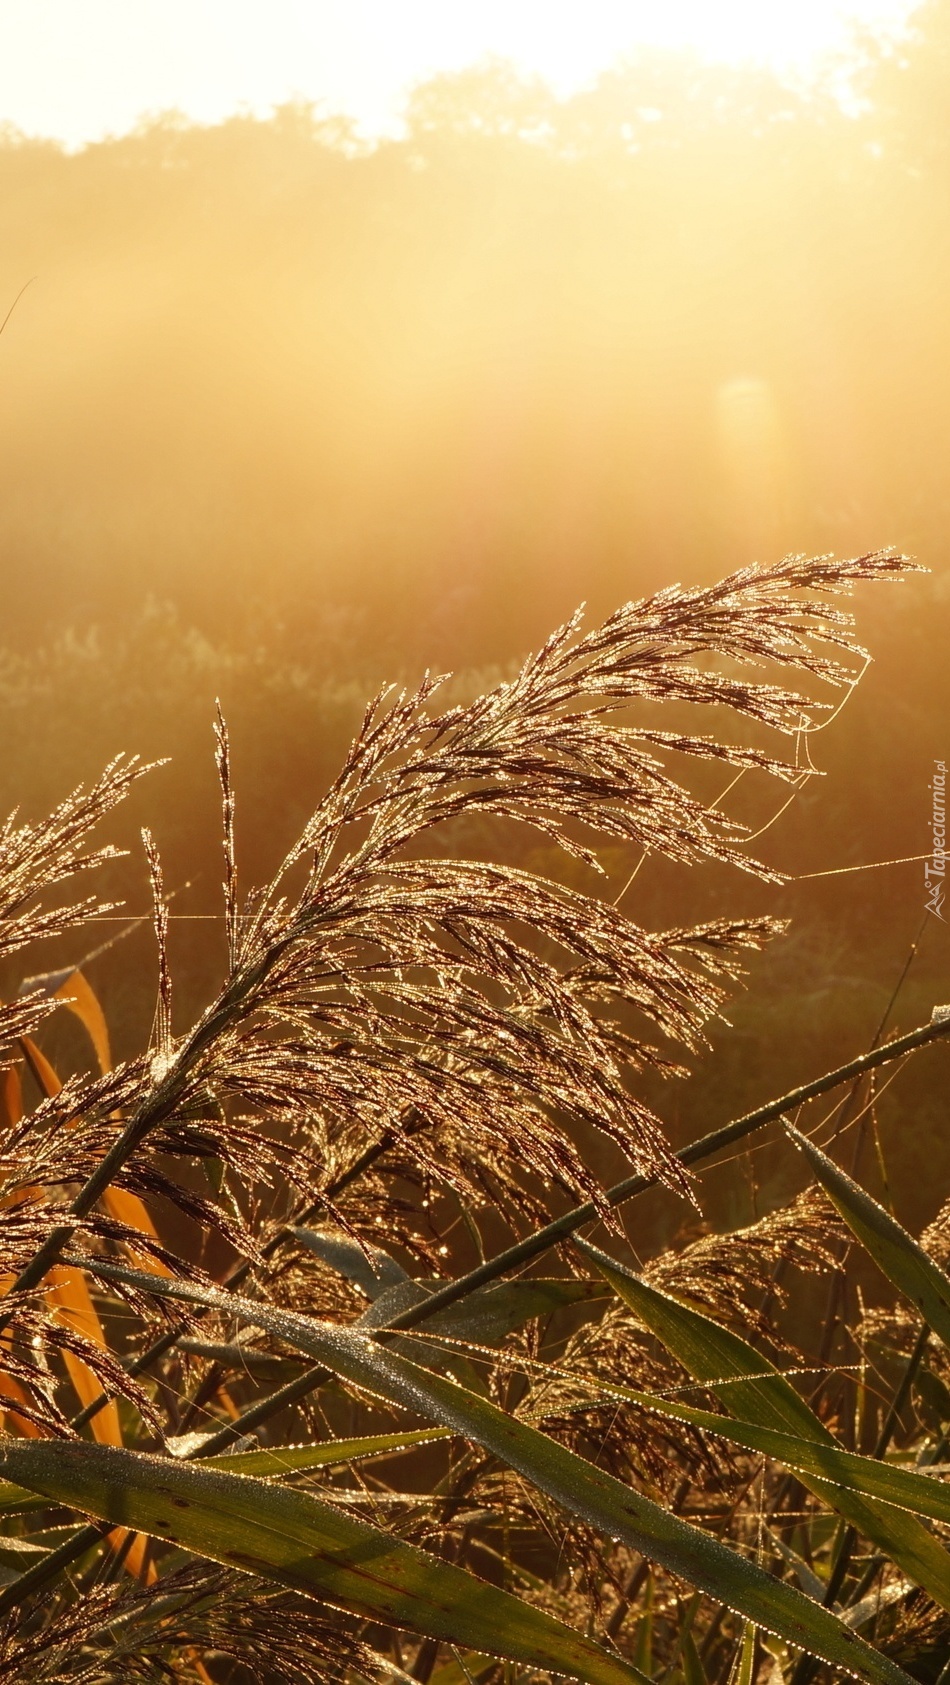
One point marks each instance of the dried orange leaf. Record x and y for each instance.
(74, 1308)
(78, 995)
(11, 1097)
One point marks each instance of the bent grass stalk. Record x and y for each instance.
(393, 1021)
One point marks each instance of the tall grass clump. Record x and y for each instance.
(275, 1406)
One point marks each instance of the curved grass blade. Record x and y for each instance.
(484, 1317)
(754, 1390)
(463, 1670)
(16, 1500)
(368, 1267)
(903, 1488)
(604, 1502)
(902, 1259)
(693, 1671)
(328, 1453)
(746, 1382)
(287, 1461)
(488, 1314)
(297, 1540)
(746, 1671)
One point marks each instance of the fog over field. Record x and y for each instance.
(285, 412)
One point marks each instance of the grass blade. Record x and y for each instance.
(583, 1490)
(285, 1461)
(746, 1672)
(327, 1453)
(693, 1671)
(295, 1539)
(902, 1259)
(753, 1389)
(906, 1489)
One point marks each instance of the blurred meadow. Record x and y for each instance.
(285, 414)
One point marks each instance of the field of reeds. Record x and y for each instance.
(333, 1346)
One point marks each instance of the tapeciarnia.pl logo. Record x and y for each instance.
(936, 866)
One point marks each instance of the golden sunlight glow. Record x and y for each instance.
(78, 69)
(753, 458)
(568, 43)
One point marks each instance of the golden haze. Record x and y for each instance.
(535, 352)
(342, 412)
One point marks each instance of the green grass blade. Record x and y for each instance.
(752, 1388)
(288, 1460)
(368, 1267)
(14, 1500)
(905, 1489)
(483, 1318)
(905, 1263)
(324, 1453)
(746, 1382)
(486, 1315)
(462, 1671)
(693, 1671)
(604, 1502)
(747, 1658)
(295, 1539)
(17, 1554)
(643, 1643)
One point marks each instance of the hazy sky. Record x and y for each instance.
(78, 69)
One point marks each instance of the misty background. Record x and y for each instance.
(284, 413)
